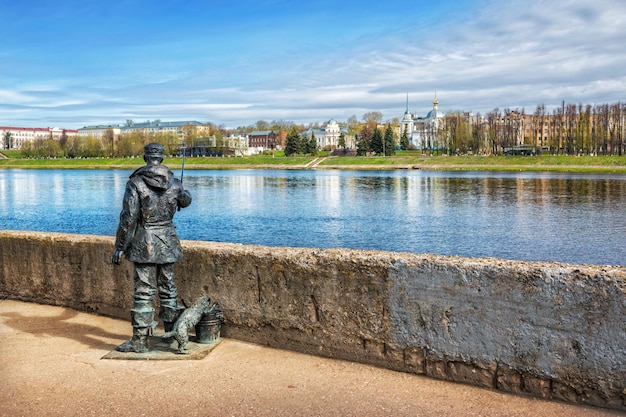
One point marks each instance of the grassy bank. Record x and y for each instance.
(256, 161)
(511, 163)
(403, 160)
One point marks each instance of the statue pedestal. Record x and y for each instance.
(160, 350)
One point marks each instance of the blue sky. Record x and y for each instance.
(75, 63)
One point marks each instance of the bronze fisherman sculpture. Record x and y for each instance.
(147, 237)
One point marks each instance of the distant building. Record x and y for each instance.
(181, 129)
(422, 131)
(100, 131)
(265, 140)
(240, 144)
(328, 136)
(213, 146)
(19, 135)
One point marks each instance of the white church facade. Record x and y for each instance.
(328, 136)
(422, 131)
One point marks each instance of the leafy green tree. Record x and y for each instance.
(190, 131)
(342, 140)
(303, 144)
(171, 142)
(130, 144)
(27, 149)
(51, 148)
(8, 140)
(91, 147)
(363, 140)
(389, 141)
(311, 145)
(292, 144)
(37, 147)
(376, 144)
(404, 140)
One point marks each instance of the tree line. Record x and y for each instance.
(569, 129)
(582, 129)
(300, 144)
(128, 145)
(372, 140)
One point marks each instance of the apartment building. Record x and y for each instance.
(182, 129)
(14, 137)
(100, 131)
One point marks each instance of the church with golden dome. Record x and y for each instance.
(422, 131)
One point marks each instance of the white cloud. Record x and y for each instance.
(504, 54)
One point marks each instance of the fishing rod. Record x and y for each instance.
(182, 169)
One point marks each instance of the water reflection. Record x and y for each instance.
(532, 216)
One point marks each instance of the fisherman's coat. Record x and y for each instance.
(145, 233)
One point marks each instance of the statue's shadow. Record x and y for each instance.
(61, 326)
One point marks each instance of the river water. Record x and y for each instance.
(563, 217)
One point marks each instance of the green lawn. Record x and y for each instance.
(14, 160)
(416, 160)
(402, 160)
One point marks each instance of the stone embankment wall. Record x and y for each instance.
(548, 330)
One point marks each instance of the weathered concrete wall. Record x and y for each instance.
(548, 330)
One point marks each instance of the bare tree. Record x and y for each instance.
(262, 125)
(479, 135)
(556, 129)
(511, 128)
(615, 128)
(583, 130)
(569, 128)
(601, 127)
(540, 126)
(459, 132)
(109, 139)
(283, 125)
(494, 119)
(353, 125)
(373, 118)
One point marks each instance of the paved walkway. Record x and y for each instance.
(50, 365)
(315, 162)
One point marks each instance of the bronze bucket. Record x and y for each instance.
(209, 327)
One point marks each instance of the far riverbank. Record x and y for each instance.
(403, 160)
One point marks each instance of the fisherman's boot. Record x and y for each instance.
(169, 312)
(142, 319)
(138, 343)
